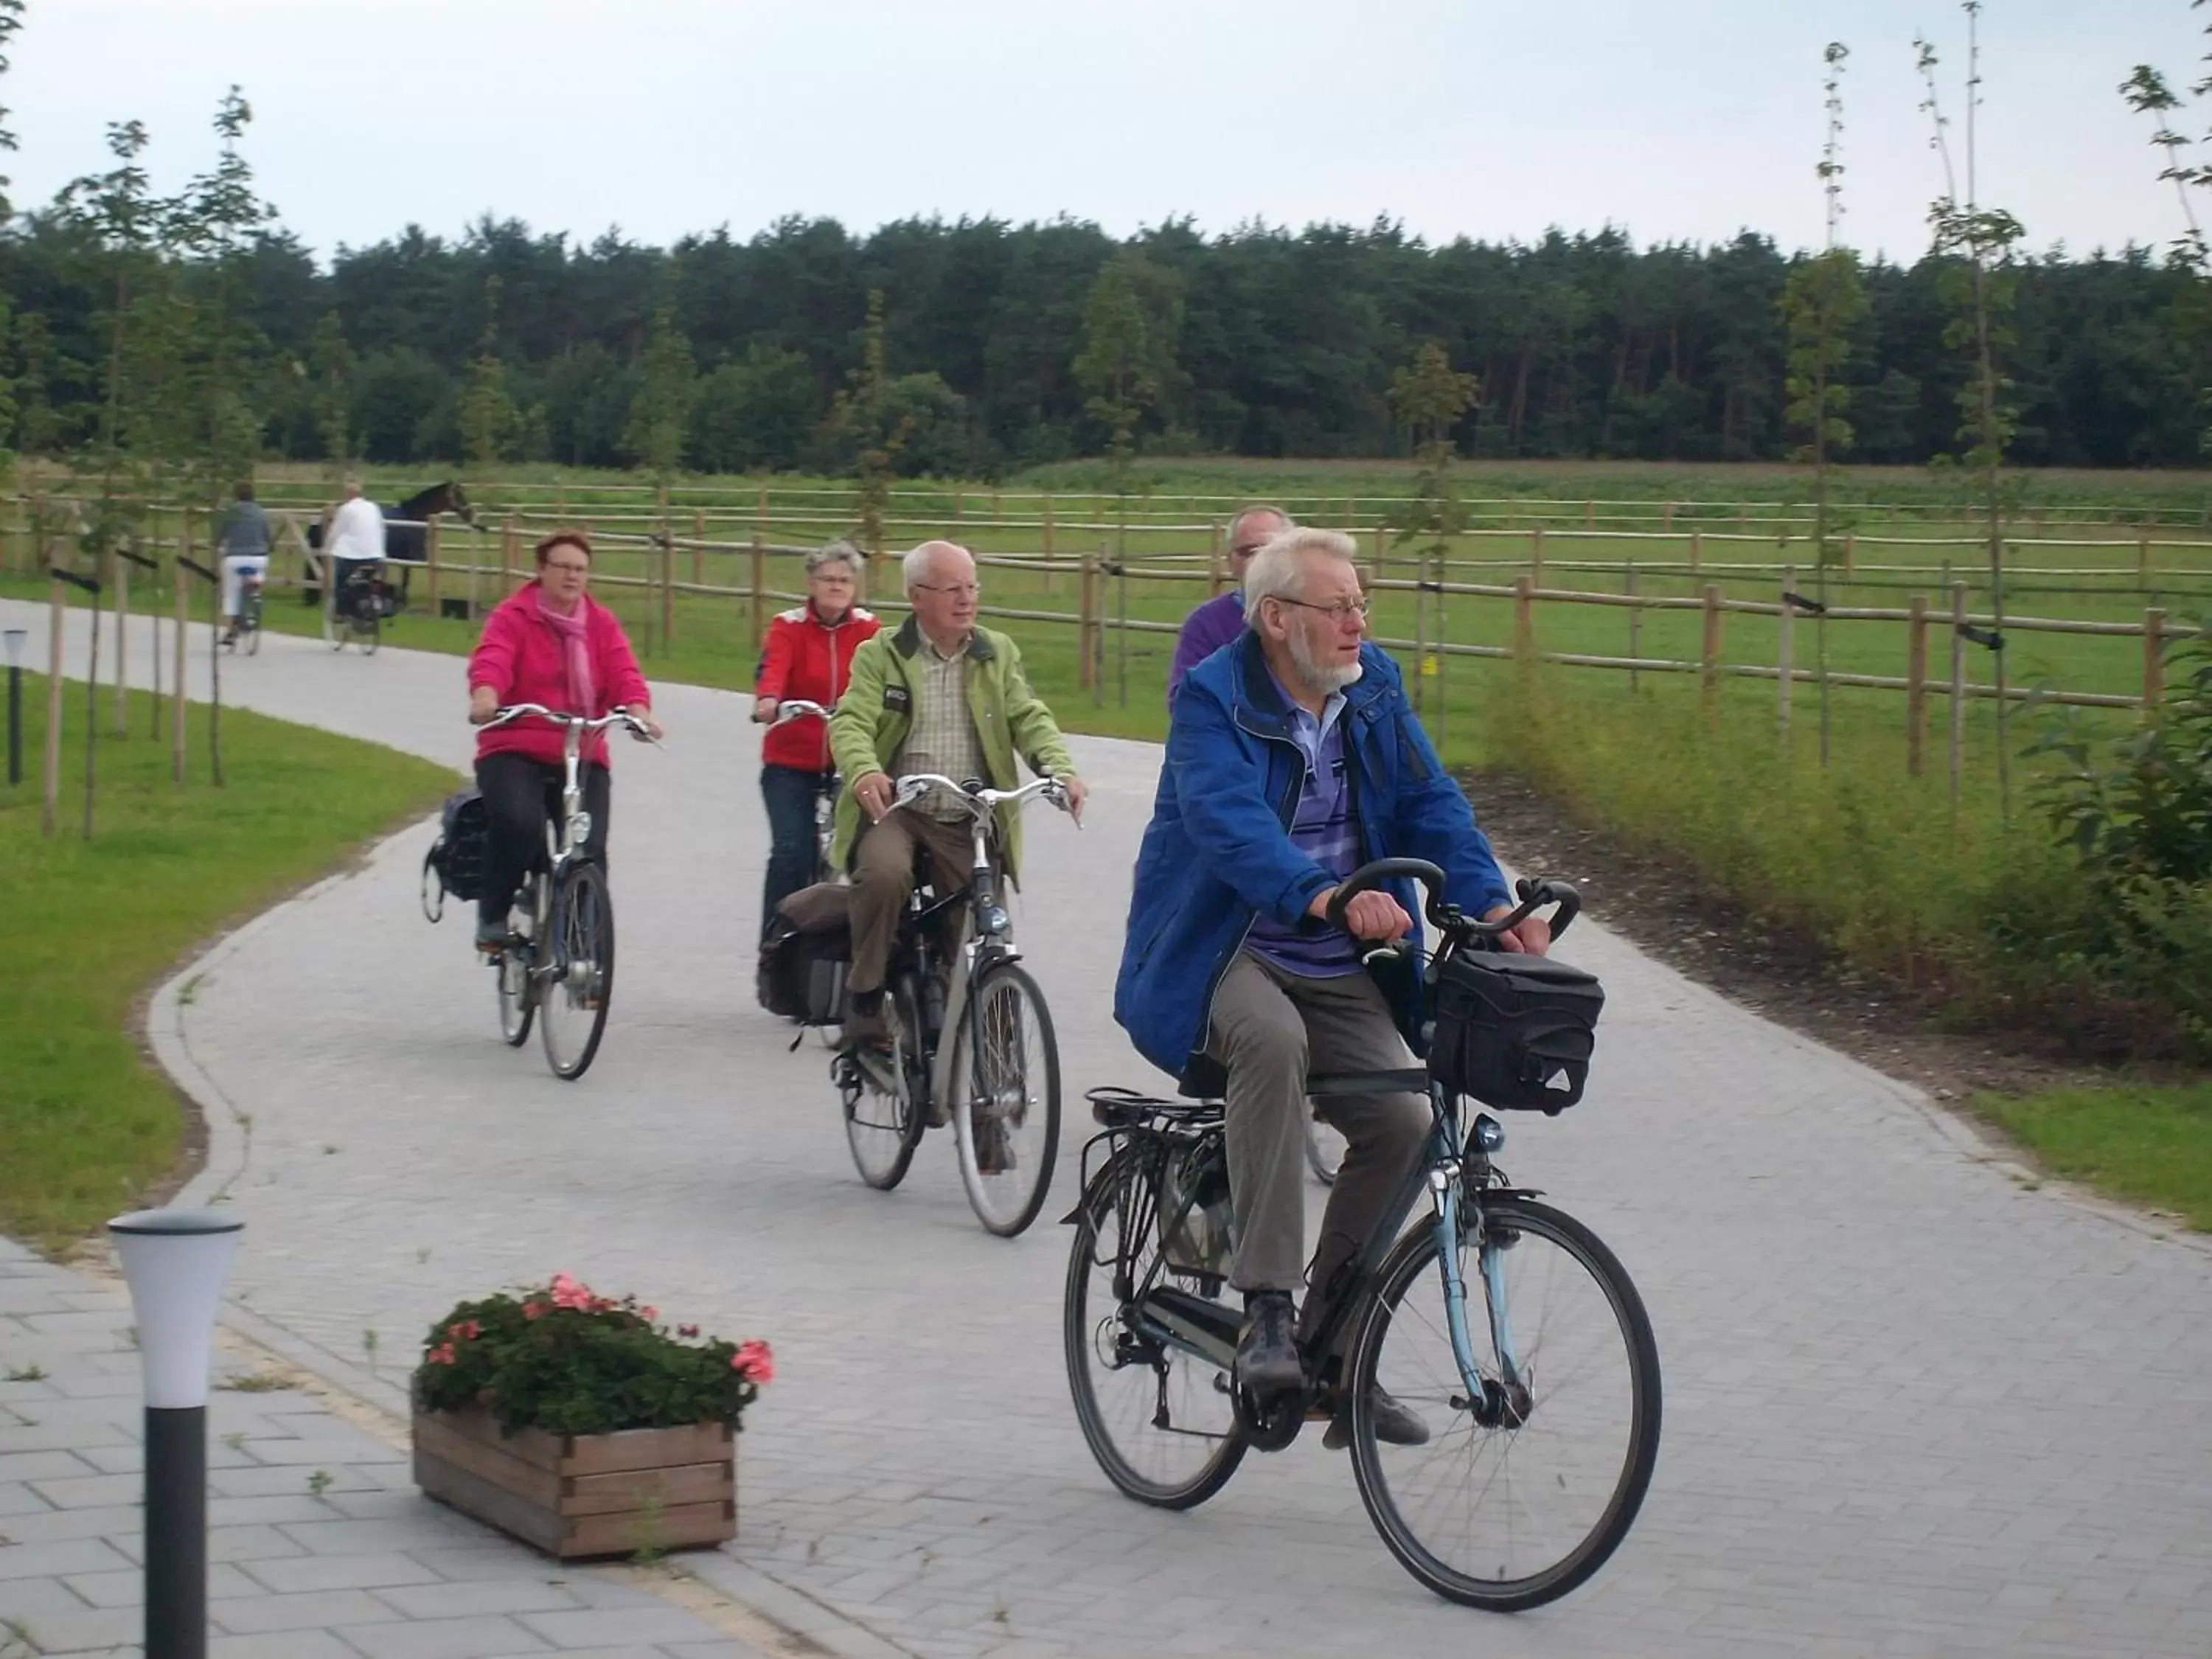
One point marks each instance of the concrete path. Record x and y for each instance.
(1916, 1404)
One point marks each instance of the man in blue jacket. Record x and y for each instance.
(1294, 758)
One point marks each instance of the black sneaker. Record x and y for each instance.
(1395, 1423)
(1268, 1361)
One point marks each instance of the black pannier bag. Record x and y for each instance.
(1515, 1031)
(456, 859)
(804, 954)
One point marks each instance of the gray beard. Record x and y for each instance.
(1312, 676)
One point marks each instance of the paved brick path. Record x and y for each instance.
(1915, 1405)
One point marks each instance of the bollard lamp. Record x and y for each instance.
(175, 1261)
(14, 639)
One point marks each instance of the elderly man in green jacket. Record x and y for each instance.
(942, 695)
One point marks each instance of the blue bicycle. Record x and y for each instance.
(1505, 1323)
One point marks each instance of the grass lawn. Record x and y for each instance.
(2142, 1145)
(87, 1122)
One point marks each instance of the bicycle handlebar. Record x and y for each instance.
(979, 798)
(1534, 895)
(797, 709)
(514, 712)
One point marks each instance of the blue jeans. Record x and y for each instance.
(790, 795)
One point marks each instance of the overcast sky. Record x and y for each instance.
(1491, 119)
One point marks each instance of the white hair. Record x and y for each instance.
(1258, 510)
(914, 568)
(837, 552)
(1278, 571)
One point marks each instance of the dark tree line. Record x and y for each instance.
(507, 344)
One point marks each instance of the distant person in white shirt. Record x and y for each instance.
(355, 542)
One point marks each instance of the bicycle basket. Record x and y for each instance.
(1513, 1032)
(804, 954)
(456, 859)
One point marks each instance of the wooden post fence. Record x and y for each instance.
(179, 654)
(50, 768)
(510, 552)
(430, 557)
(1382, 554)
(1634, 624)
(760, 587)
(1784, 655)
(1048, 524)
(1084, 677)
(1709, 676)
(2154, 661)
(1536, 555)
(121, 568)
(1524, 618)
(1697, 550)
(1915, 689)
(1958, 744)
(698, 547)
(1217, 576)
(2143, 561)
(1851, 552)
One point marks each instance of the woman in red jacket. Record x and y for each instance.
(553, 645)
(809, 656)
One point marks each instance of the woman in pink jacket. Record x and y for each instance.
(550, 644)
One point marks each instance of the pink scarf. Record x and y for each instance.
(572, 632)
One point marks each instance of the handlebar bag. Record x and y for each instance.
(456, 857)
(1513, 1032)
(804, 954)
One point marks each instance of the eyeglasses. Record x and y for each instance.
(1246, 552)
(965, 590)
(1342, 611)
(571, 569)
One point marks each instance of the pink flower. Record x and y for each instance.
(754, 1361)
(534, 1310)
(567, 1293)
(466, 1331)
(441, 1355)
(648, 1313)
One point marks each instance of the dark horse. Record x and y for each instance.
(404, 534)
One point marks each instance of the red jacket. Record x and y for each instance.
(522, 659)
(809, 658)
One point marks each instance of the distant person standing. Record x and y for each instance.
(244, 538)
(356, 540)
(1221, 619)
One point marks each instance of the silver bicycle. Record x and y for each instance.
(559, 963)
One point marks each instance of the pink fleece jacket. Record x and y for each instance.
(522, 659)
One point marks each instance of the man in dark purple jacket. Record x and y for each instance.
(1221, 618)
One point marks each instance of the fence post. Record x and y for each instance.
(698, 547)
(1697, 550)
(1709, 676)
(1382, 554)
(1589, 516)
(1086, 619)
(560, 500)
(1536, 555)
(2153, 680)
(2143, 561)
(1635, 625)
(1667, 517)
(1047, 525)
(1958, 695)
(51, 761)
(959, 505)
(1850, 551)
(510, 550)
(1216, 576)
(760, 518)
(1784, 653)
(430, 557)
(760, 589)
(177, 668)
(121, 568)
(1915, 689)
(1524, 618)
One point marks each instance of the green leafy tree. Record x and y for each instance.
(330, 364)
(11, 20)
(863, 416)
(1980, 283)
(491, 424)
(1823, 303)
(2148, 93)
(660, 413)
(1429, 396)
(1126, 366)
(757, 413)
(211, 220)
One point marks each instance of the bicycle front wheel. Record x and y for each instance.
(518, 990)
(371, 635)
(1158, 1420)
(576, 976)
(1006, 1111)
(883, 1107)
(1527, 1483)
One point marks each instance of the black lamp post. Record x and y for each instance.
(14, 638)
(174, 1260)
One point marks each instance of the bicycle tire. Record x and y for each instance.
(882, 1151)
(1083, 1330)
(1006, 1206)
(372, 637)
(1514, 1222)
(253, 630)
(580, 956)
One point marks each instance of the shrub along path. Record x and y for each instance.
(1913, 1406)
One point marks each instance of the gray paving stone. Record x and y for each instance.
(291, 1575)
(86, 1630)
(492, 1595)
(57, 1560)
(282, 1644)
(444, 1638)
(323, 1609)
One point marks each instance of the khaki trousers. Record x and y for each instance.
(882, 881)
(1269, 1027)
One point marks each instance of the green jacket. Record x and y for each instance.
(877, 711)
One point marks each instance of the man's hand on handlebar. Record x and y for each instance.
(1373, 914)
(1531, 937)
(1077, 792)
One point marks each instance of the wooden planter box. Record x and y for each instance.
(586, 1494)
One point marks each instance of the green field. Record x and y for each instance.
(87, 1122)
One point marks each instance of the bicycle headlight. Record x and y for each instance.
(1489, 1134)
(583, 830)
(994, 920)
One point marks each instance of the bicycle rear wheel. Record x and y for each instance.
(371, 635)
(576, 981)
(1007, 1112)
(883, 1124)
(1158, 1420)
(1520, 1495)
